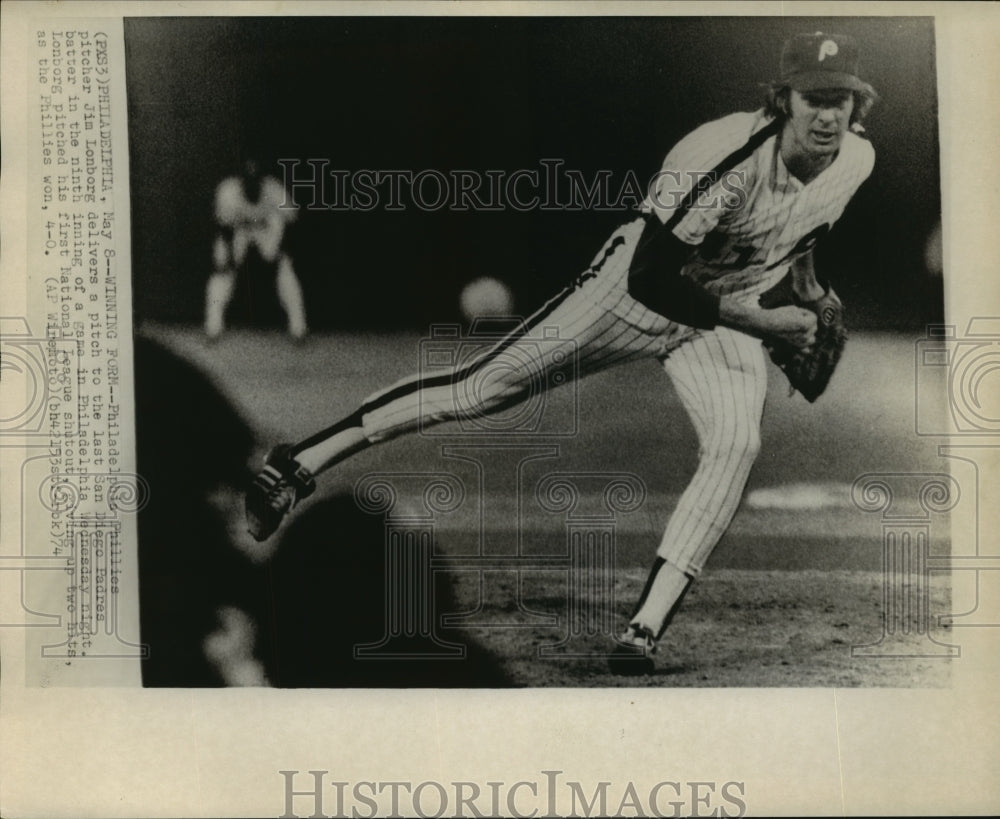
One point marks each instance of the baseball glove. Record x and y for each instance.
(808, 371)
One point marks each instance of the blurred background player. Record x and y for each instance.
(252, 212)
(739, 206)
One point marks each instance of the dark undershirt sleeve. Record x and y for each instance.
(655, 280)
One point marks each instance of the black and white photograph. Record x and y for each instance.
(498, 409)
(464, 365)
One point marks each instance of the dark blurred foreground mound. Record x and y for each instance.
(320, 596)
(329, 598)
(190, 443)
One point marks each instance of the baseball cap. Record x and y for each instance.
(810, 62)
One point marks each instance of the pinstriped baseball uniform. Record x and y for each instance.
(744, 229)
(745, 246)
(725, 221)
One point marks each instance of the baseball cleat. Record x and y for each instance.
(633, 653)
(281, 484)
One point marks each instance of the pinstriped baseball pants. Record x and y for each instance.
(720, 377)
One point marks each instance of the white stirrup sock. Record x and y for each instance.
(663, 592)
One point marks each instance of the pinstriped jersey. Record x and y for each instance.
(756, 217)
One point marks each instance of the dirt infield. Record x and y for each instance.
(791, 596)
(747, 628)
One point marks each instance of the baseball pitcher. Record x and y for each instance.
(714, 273)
